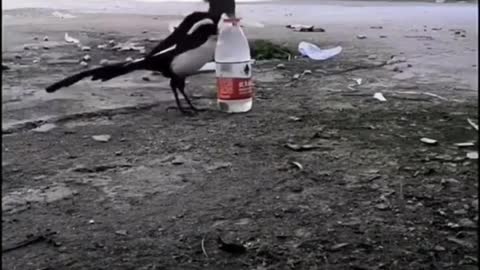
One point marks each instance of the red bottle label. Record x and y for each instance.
(234, 88)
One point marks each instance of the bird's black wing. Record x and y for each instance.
(180, 32)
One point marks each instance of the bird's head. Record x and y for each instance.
(218, 7)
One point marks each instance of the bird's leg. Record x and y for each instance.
(181, 88)
(174, 87)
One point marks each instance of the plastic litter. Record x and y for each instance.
(379, 96)
(312, 51)
(70, 39)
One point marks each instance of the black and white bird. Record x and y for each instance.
(180, 55)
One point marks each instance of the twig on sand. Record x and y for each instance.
(203, 246)
(475, 126)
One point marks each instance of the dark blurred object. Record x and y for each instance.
(222, 6)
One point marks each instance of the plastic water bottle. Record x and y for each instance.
(233, 69)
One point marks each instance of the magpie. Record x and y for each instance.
(180, 55)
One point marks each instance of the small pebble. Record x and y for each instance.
(102, 46)
(372, 57)
(111, 42)
(83, 64)
(35, 38)
(145, 78)
(280, 66)
(104, 62)
(45, 47)
(87, 58)
(361, 36)
(129, 59)
(45, 38)
(86, 48)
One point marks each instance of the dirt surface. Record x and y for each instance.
(319, 175)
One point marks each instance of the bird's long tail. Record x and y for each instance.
(101, 73)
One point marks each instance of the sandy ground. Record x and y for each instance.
(362, 193)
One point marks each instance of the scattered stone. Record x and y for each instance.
(376, 27)
(111, 42)
(296, 77)
(396, 60)
(102, 46)
(178, 160)
(307, 72)
(439, 248)
(383, 36)
(121, 232)
(429, 141)
(146, 78)
(129, 59)
(102, 138)
(280, 66)
(361, 37)
(91, 221)
(45, 47)
(44, 128)
(379, 96)
(83, 64)
(467, 223)
(465, 144)
(475, 204)
(460, 242)
(87, 58)
(5, 67)
(218, 165)
(35, 61)
(382, 206)
(45, 38)
(86, 49)
(297, 147)
(104, 62)
(118, 153)
(472, 155)
(449, 181)
(17, 56)
(372, 57)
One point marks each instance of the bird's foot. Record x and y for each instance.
(187, 112)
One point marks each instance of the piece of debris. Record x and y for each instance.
(465, 144)
(379, 96)
(304, 28)
(5, 67)
(129, 59)
(70, 39)
(382, 36)
(361, 37)
(294, 118)
(111, 42)
(429, 141)
(475, 126)
(44, 128)
(83, 64)
(146, 78)
(26, 48)
(358, 81)
(36, 60)
(297, 147)
(63, 15)
(91, 221)
(312, 51)
(45, 47)
(104, 62)
(376, 27)
(280, 66)
(102, 138)
(298, 165)
(118, 153)
(230, 247)
(296, 77)
(87, 58)
(31, 240)
(472, 155)
(86, 49)
(102, 46)
(439, 248)
(338, 246)
(440, 1)
(372, 57)
(45, 38)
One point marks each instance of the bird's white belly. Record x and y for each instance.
(191, 61)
